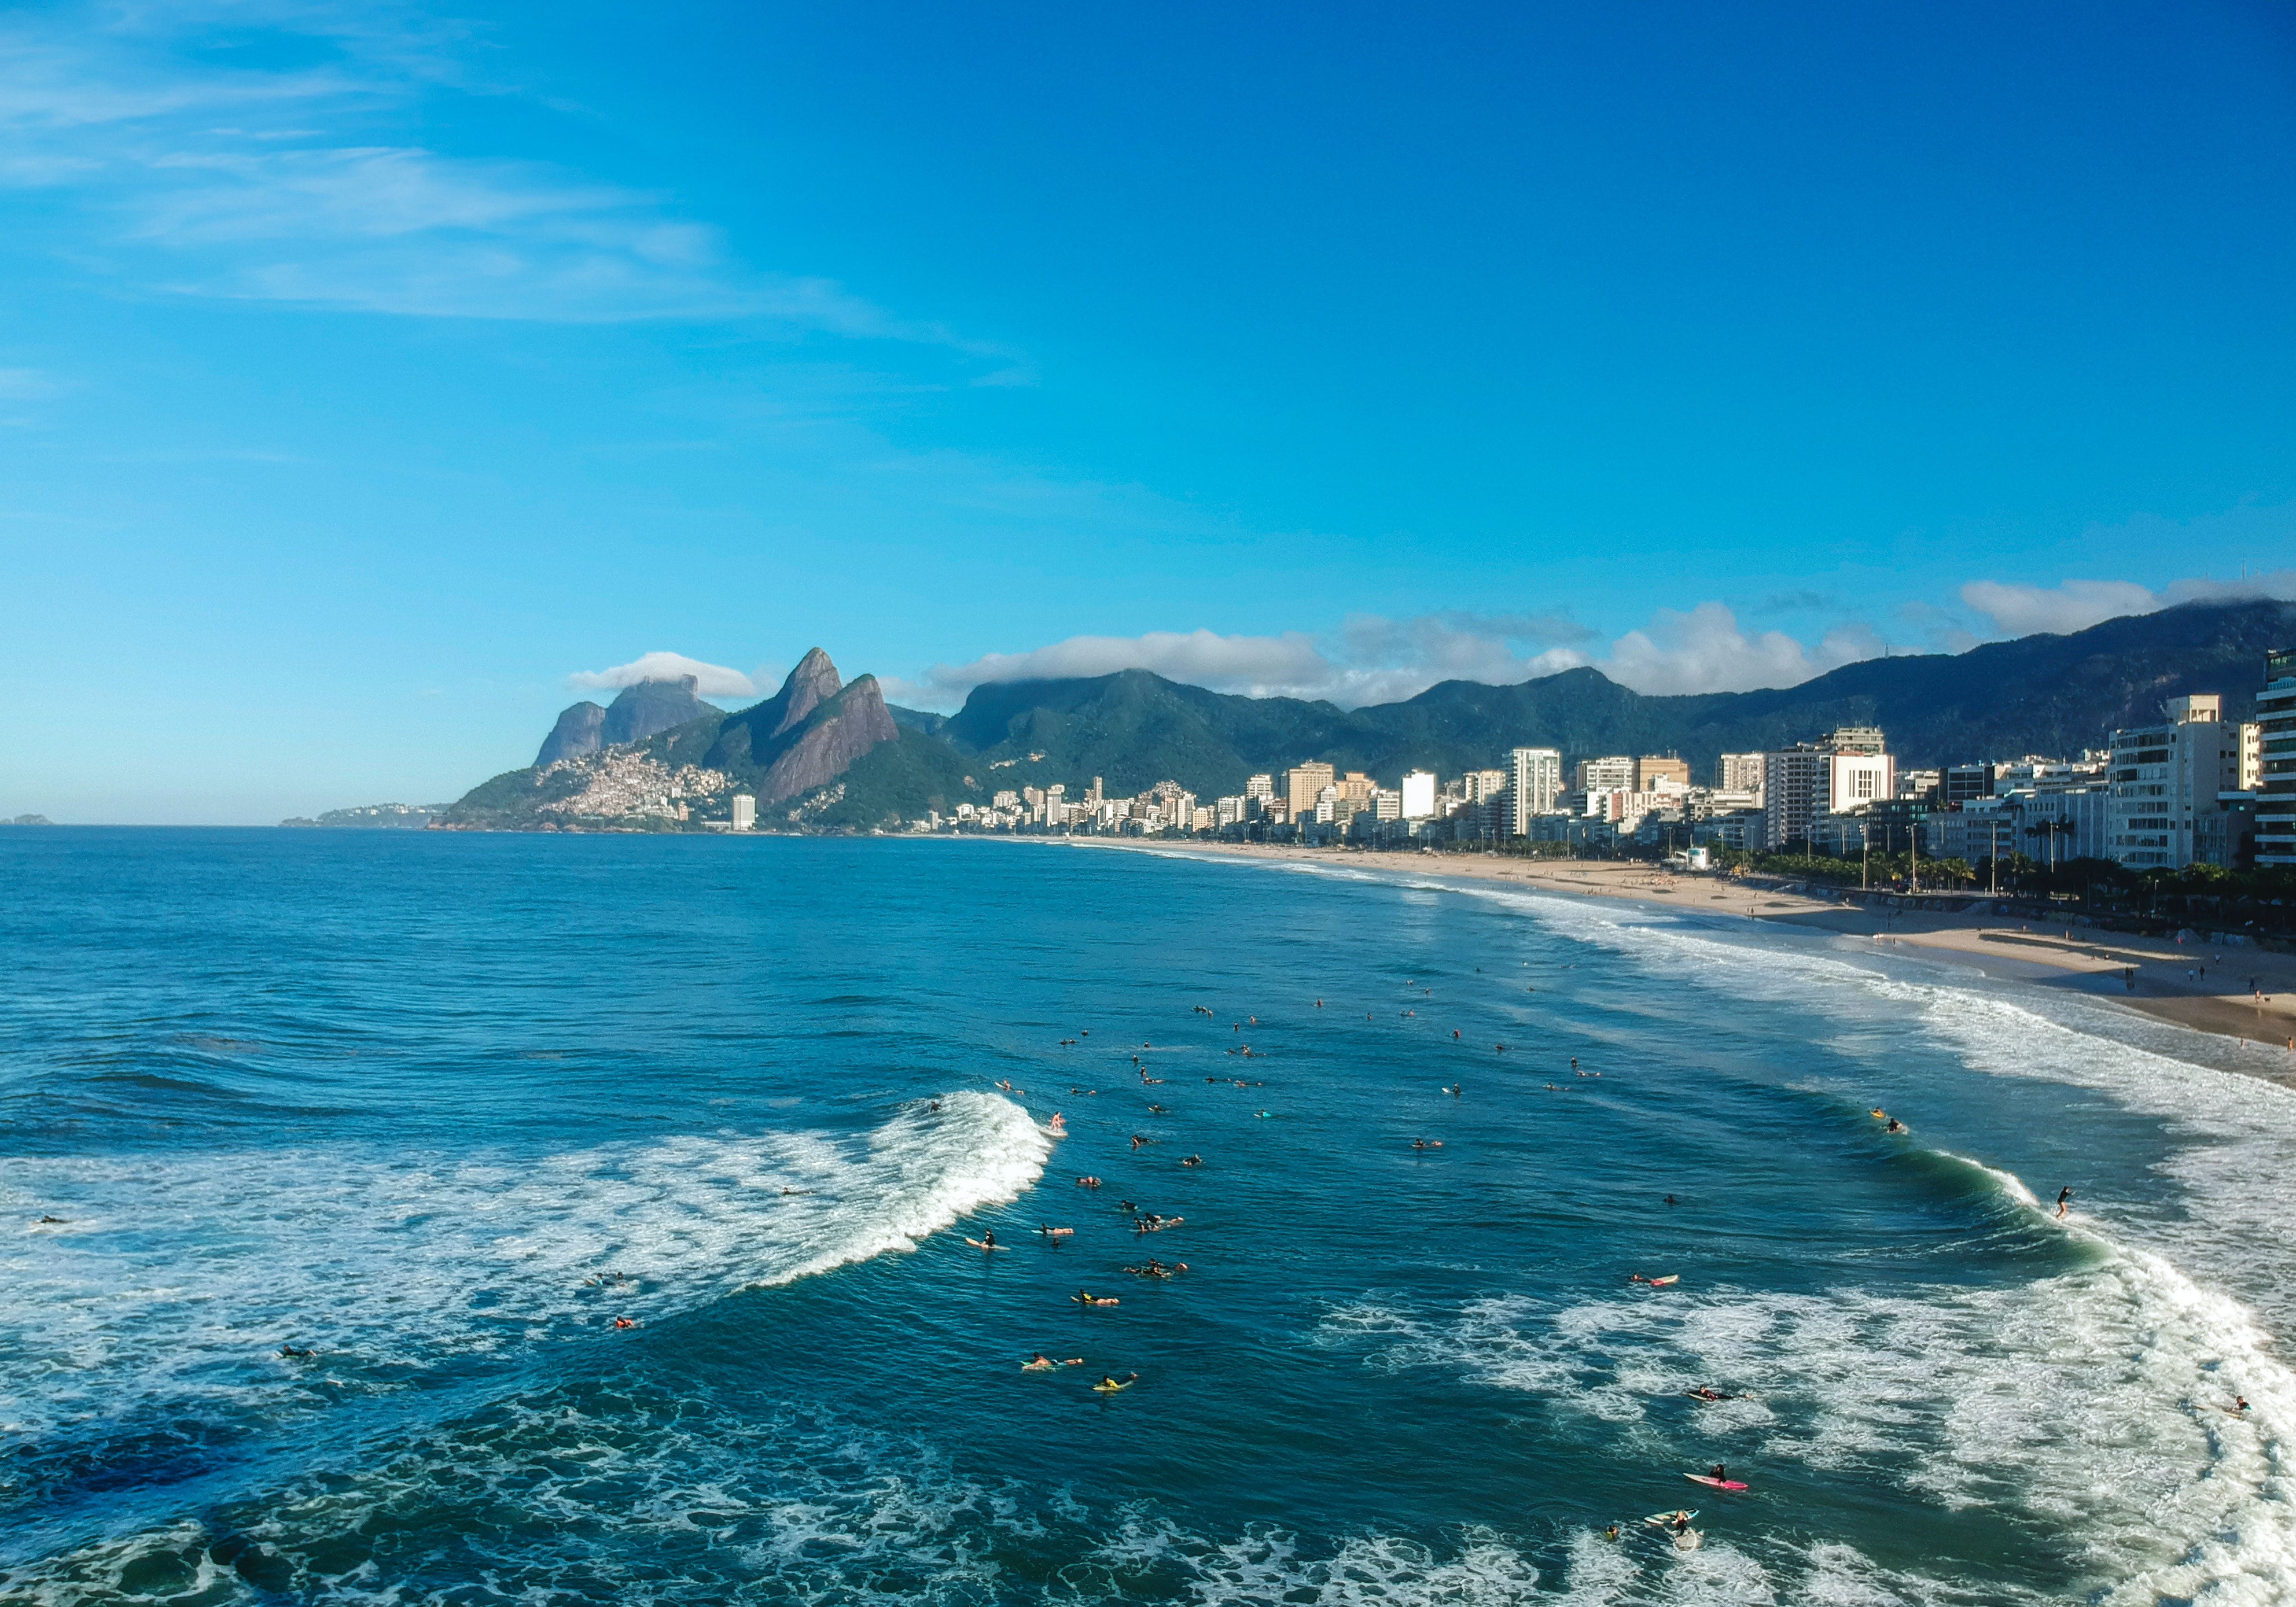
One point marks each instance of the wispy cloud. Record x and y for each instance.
(252, 184)
(711, 680)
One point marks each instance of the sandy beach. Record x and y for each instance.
(2241, 992)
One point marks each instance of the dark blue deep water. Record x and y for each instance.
(438, 1109)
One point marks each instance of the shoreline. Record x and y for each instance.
(2219, 1002)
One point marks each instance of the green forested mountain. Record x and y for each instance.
(842, 758)
(2040, 694)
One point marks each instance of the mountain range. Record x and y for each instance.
(847, 759)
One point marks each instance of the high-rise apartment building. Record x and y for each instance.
(1857, 781)
(1855, 739)
(1534, 782)
(1615, 774)
(1795, 788)
(2251, 755)
(1262, 787)
(1419, 795)
(2165, 777)
(1738, 772)
(1302, 783)
(745, 812)
(2276, 762)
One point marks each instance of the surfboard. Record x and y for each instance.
(1711, 1482)
(977, 1244)
(1667, 1519)
(1095, 1300)
(1112, 1389)
(1672, 1277)
(1055, 1233)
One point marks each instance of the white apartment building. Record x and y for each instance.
(745, 812)
(1419, 795)
(1386, 804)
(1795, 788)
(1615, 774)
(1534, 784)
(2165, 776)
(1738, 772)
(1854, 781)
(2276, 762)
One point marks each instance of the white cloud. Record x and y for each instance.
(1705, 650)
(1369, 659)
(712, 680)
(2071, 605)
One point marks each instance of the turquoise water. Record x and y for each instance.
(410, 1102)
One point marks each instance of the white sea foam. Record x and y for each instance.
(177, 1273)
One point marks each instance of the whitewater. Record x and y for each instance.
(442, 1113)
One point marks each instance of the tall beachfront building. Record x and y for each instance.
(1738, 772)
(1419, 795)
(1534, 784)
(1301, 784)
(2276, 761)
(2166, 777)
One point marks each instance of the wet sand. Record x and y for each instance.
(2222, 998)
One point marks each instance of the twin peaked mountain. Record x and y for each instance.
(800, 739)
(840, 758)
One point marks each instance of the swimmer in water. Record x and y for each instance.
(1087, 1182)
(1610, 1533)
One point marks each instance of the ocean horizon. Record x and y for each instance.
(337, 1160)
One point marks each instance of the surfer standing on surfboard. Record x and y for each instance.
(2064, 1196)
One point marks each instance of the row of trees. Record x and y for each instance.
(2264, 901)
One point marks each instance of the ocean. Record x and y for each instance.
(441, 1109)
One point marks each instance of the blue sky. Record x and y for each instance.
(369, 373)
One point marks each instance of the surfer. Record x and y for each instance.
(1193, 1160)
(623, 1322)
(1704, 1393)
(289, 1350)
(987, 1238)
(1610, 1533)
(1721, 1474)
(1110, 1384)
(2239, 1402)
(1670, 1199)
(2064, 1198)
(1894, 1126)
(1087, 1182)
(1056, 1125)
